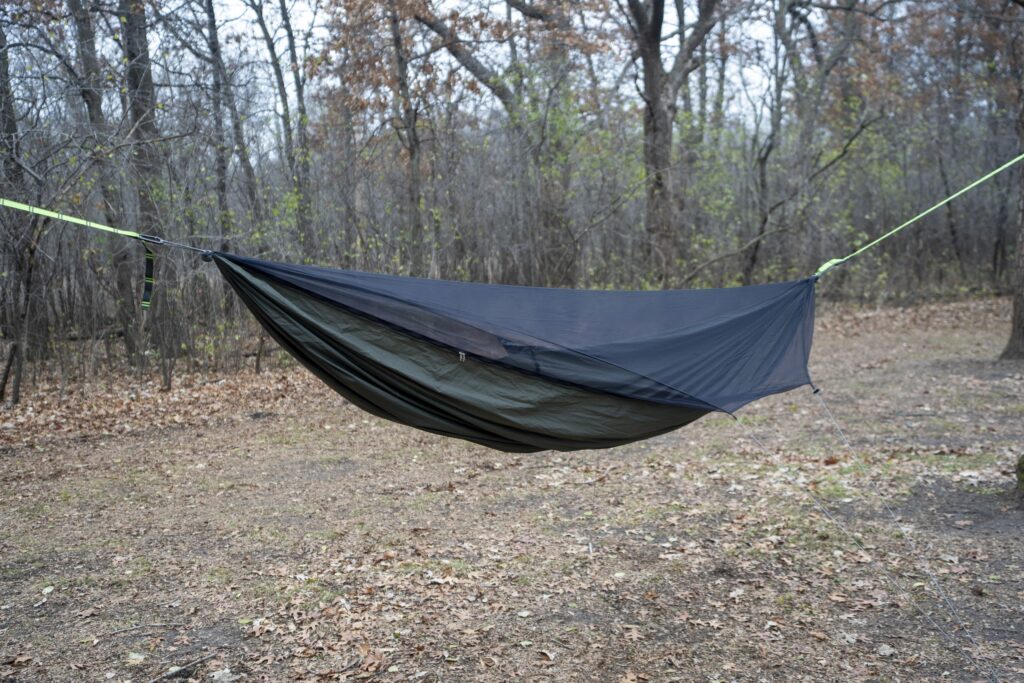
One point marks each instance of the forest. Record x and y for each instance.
(685, 452)
(589, 144)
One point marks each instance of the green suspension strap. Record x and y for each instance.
(147, 287)
(988, 176)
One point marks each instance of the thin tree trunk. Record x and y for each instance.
(658, 124)
(140, 92)
(718, 112)
(951, 219)
(241, 148)
(286, 114)
(91, 91)
(220, 150)
(24, 249)
(11, 355)
(27, 266)
(406, 114)
(304, 214)
(764, 153)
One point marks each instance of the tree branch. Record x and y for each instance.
(685, 62)
(468, 60)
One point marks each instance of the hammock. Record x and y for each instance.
(528, 368)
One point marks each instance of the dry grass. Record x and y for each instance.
(287, 536)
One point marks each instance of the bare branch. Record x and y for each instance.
(468, 60)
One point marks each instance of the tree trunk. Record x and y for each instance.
(762, 209)
(220, 151)
(21, 343)
(140, 92)
(241, 149)
(303, 213)
(24, 248)
(91, 91)
(286, 114)
(405, 118)
(8, 120)
(718, 114)
(91, 83)
(951, 220)
(661, 90)
(658, 124)
(1015, 345)
(764, 153)
(8, 364)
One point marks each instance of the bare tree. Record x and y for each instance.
(1015, 345)
(25, 240)
(406, 118)
(297, 156)
(660, 95)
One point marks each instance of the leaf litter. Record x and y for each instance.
(142, 531)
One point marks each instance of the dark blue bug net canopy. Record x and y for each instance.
(693, 351)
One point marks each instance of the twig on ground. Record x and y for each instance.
(138, 626)
(177, 670)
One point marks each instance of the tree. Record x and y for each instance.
(660, 95)
(1015, 345)
(26, 240)
(535, 113)
(223, 97)
(296, 155)
(406, 118)
(811, 69)
(90, 81)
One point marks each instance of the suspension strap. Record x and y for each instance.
(829, 265)
(28, 208)
(147, 287)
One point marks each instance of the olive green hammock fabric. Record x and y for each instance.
(526, 369)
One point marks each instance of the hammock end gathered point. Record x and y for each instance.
(828, 265)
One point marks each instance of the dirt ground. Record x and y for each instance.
(259, 529)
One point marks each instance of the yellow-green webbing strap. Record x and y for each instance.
(988, 176)
(147, 287)
(64, 217)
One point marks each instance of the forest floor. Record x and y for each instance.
(263, 528)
